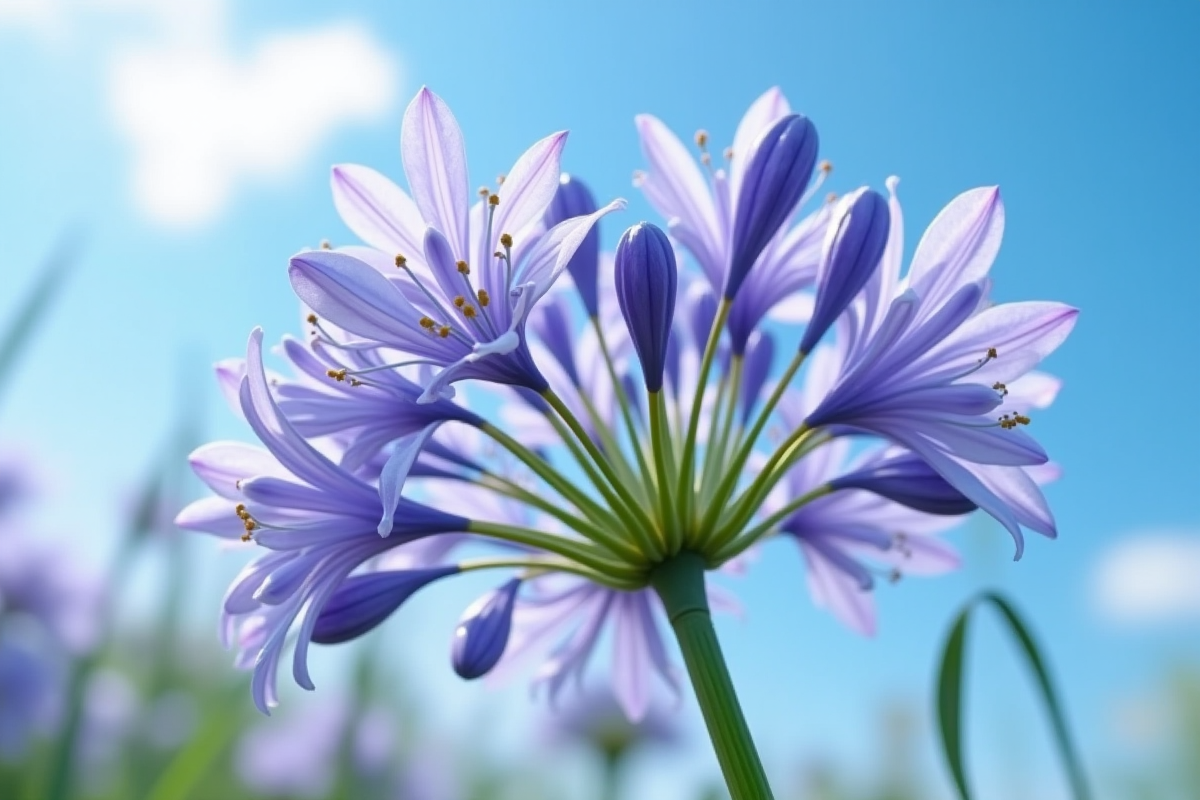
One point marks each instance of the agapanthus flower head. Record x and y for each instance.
(602, 501)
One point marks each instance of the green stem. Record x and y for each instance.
(622, 399)
(503, 486)
(737, 545)
(680, 584)
(644, 531)
(687, 461)
(660, 440)
(548, 474)
(734, 469)
(617, 574)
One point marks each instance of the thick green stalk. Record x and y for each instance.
(680, 584)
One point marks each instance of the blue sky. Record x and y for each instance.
(1084, 114)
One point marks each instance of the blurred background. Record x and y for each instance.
(160, 161)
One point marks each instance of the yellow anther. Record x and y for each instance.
(469, 311)
(312, 319)
(991, 353)
(826, 167)
(505, 240)
(338, 375)
(831, 197)
(706, 159)
(1021, 419)
(246, 537)
(463, 268)
(1001, 388)
(427, 323)
(444, 331)
(483, 298)
(494, 199)
(458, 301)
(240, 508)
(728, 154)
(400, 261)
(702, 138)
(325, 245)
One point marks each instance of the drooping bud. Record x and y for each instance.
(575, 199)
(482, 633)
(779, 167)
(364, 601)
(854, 244)
(646, 285)
(909, 481)
(760, 352)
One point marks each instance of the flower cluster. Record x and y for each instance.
(641, 412)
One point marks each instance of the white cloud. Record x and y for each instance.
(1149, 577)
(202, 120)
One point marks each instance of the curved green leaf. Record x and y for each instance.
(950, 694)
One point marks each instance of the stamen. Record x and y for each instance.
(494, 199)
(499, 180)
(826, 166)
(484, 191)
(427, 323)
(463, 267)
(506, 240)
(1001, 388)
(325, 245)
(1009, 422)
(991, 353)
(469, 311)
(400, 261)
(338, 375)
(444, 331)
(728, 154)
(459, 301)
(702, 139)
(311, 319)
(483, 298)
(831, 197)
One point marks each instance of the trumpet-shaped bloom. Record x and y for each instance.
(928, 363)
(466, 276)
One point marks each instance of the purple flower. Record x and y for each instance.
(646, 285)
(482, 633)
(853, 247)
(574, 199)
(780, 167)
(700, 214)
(595, 719)
(319, 521)
(466, 278)
(32, 677)
(927, 363)
(850, 537)
(760, 351)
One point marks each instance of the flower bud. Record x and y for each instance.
(646, 285)
(853, 246)
(909, 481)
(760, 352)
(575, 199)
(363, 601)
(779, 167)
(482, 633)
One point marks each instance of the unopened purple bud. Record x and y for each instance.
(575, 199)
(760, 352)
(482, 633)
(909, 481)
(646, 285)
(778, 170)
(853, 246)
(362, 602)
